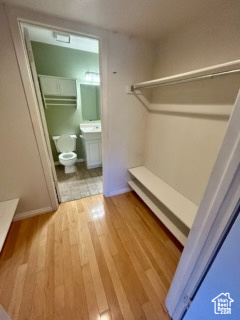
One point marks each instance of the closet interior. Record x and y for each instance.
(186, 121)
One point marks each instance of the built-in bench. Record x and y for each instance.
(180, 211)
(7, 211)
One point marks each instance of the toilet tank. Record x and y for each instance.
(55, 139)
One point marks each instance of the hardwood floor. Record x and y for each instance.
(95, 258)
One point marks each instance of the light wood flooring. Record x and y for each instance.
(95, 258)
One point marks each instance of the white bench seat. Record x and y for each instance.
(7, 211)
(181, 207)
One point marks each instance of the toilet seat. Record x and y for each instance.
(65, 143)
(67, 156)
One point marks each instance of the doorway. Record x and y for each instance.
(66, 75)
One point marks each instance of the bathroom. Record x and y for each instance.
(67, 69)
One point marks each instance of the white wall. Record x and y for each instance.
(21, 169)
(212, 39)
(21, 173)
(132, 60)
(184, 135)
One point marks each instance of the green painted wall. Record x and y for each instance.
(63, 62)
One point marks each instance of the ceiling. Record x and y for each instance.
(151, 19)
(76, 42)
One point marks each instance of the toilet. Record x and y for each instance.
(66, 144)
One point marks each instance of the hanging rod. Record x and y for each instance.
(189, 76)
(168, 83)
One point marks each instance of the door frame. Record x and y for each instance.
(31, 61)
(214, 215)
(16, 17)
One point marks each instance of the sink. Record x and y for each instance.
(91, 131)
(88, 130)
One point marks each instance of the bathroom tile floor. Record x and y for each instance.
(80, 184)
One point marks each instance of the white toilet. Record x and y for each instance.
(66, 144)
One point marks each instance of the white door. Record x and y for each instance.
(41, 108)
(219, 294)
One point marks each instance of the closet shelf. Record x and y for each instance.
(227, 68)
(181, 207)
(59, 101)
(7, 211)
(61, 104)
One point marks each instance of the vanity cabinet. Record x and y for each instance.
(91, 135)
(93, 153)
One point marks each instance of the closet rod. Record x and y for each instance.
(159, 83)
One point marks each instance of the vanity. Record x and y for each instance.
(91, 135)
(90, 124)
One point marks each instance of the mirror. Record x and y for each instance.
(90, 102)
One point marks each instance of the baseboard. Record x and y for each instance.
(57, 163)
(80, 160)
(28, 214)
(120, 191)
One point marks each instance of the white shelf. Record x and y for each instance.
(61, 104)
(179, 234)
(219, 68)
(61, 99)
(7, 211)
(184, 209)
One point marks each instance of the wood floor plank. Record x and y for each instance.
(154, 299)
(58, 252)
(59, 303)
(106, 315)
(28, 291)
(90, 293)
(42, 229)
(150, 241)
(156, 283)
(94, 258)
(70, 298)
(152, 296)
(39, 303)
(106, 278)
(107, 231)
(120, 292)
(79, 290)
(83, 250)
(97, 281)
(17, 291)
(136, 297)
(150, 314)
(49, 272)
